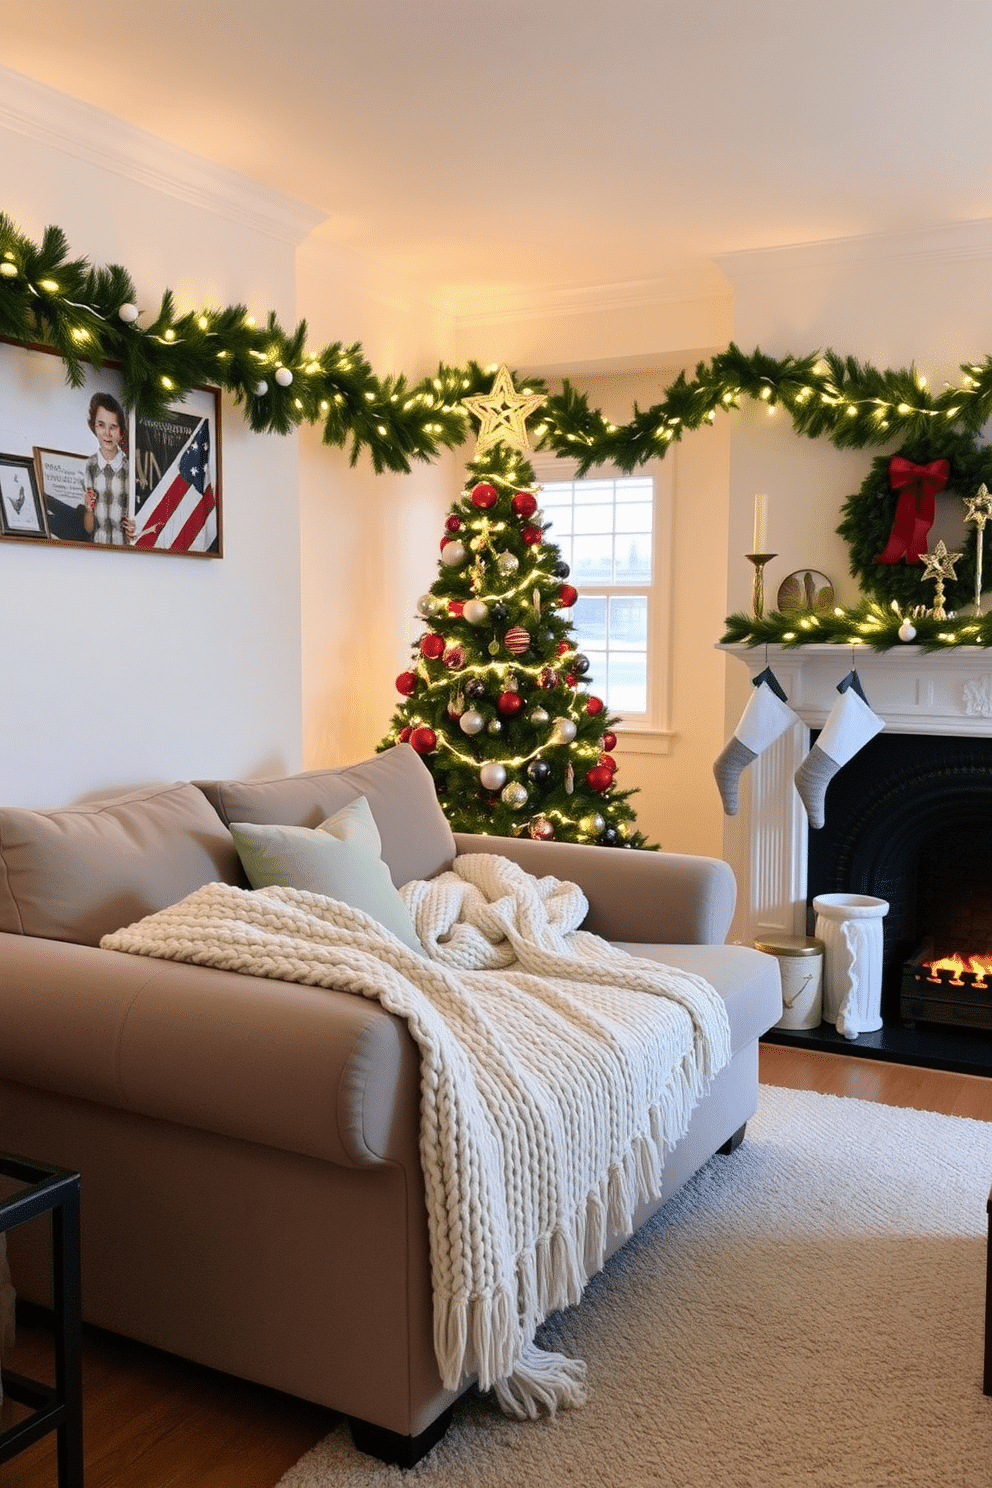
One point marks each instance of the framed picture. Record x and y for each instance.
(102, 477)
(22, 511)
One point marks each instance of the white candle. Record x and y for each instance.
(760, 523)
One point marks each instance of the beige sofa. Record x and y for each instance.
(252, 1192)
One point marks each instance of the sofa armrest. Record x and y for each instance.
(302, 1069)
(634, 895)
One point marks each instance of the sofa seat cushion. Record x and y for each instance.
(416, 838)
(747, 980)
(79, 872)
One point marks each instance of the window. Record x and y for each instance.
(613, 532)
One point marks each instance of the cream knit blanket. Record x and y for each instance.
(556, 1071)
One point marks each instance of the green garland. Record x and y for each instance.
(49, 298)
(866, 624)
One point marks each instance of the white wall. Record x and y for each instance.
(370, 542)
(121, 668)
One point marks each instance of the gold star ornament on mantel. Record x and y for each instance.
(503, 413)
(940, 566)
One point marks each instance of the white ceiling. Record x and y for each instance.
(512, 147)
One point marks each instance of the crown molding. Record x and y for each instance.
(91, 134)
(949, 243)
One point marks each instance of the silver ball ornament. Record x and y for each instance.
(471, 721)
(492, 776)
(283, 376)
(475, 611)
(494, 726)
(592, 825)
(538, 716)
(261, 388)
(907, 632)
(563, 731)
(427, 606)
(454, 554)
(128, 314)
(514, 796)
(507, 563)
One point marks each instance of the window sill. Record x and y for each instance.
(644, 741)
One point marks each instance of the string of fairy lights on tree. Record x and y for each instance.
(89, 314)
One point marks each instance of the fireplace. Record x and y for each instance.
(908, 819)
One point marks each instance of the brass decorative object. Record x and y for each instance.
(978, 509)
(758, 587)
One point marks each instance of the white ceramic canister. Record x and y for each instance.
(800, 961)
(850, 926)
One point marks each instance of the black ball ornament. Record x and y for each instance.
(474, 689)
(608, 837)
(499, 614)
(561, 569)
(580, 665)
(539, 771)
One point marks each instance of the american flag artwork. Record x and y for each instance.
(175, 504)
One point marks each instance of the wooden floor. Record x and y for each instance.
(153, 1421)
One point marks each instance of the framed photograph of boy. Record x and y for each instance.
(103, 477)
(22, 512)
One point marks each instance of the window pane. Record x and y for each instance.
(633, 559)
(629, 622)
(627, 688)
(634, 516)
(590, 564)
(589, 621)
(595, 518)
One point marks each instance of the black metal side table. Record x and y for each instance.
(53, 1191)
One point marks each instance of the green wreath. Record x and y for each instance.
(870, 514)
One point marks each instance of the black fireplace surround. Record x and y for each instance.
(909, 820)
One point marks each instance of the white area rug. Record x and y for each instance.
(807, 1313)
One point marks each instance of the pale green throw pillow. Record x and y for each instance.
(340, 858)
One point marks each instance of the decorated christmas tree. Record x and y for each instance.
(497, 698)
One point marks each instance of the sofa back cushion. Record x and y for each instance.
(78, 872)
(416, 838)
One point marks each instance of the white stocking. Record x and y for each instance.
(850, 725)
(765, 718)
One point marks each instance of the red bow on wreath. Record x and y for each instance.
(919, 485)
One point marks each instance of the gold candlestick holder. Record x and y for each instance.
(758, 587)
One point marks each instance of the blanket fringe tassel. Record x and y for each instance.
(541, 1382)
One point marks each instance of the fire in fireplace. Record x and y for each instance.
(947, 989)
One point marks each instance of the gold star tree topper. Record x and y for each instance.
(503, 413)
(940, 563)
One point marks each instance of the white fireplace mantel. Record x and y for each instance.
(913, 691)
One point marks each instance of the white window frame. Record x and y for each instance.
(649, 732)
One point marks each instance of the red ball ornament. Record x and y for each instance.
(454, 524)
(609, 740)
(599, 778)
(524, 504)
(594, 705)
(485, 495)
(424, 740)
(549, 679)
(431, 645)
(404, 734)
(407, 683)
(455, 606)
(564, 646)
(510, 704)
(531, 535)
(454, 658)
(608, 762)
(571, 679)
(517, 640)
(567, 596)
